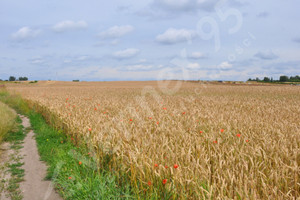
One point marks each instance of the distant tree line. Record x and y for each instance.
(12, 78)
(281, 79)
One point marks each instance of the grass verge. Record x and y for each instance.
(72, 169)
(7, 116)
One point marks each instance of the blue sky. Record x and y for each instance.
(149, 40)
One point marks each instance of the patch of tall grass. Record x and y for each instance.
(7, 120)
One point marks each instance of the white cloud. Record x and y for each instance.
(69, 25)
(67, 61)
(25, 33)
(193, 66)
(142, 60)
(37, 61)
(172, 36)
(225, 65)
(116, 31)
(127, 53)
(197, 55)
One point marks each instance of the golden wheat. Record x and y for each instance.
(205, 140)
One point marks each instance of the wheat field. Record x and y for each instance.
(196, 139)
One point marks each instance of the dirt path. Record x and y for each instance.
(34, 187)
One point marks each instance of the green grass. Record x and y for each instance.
(16, 136)
(14, 101)
(74, 180)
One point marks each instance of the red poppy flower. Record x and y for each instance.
(95, 108)
(216, 142)
(62, 142)
(164, 181)
(247, 140)
(70, 177)
(149, 183)
(165, 108)
(157, 122)
(80, 163)
(175, 166)
(201, 131)
(131, 120)
(150, 117)
(90, 129)
(222, 130)
(238, 135)
(155, 165)
(183, 113)
(166, 167)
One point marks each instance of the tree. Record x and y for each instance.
(257, 79)
(23, 79)
(249, 79)
(295, 78)
(283, 78)
(266, 79)
(12, 78)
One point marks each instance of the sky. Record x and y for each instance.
(149, 40)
